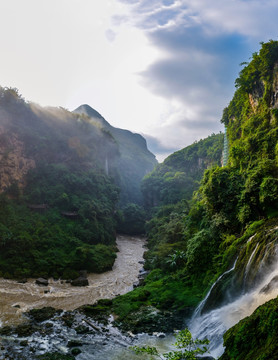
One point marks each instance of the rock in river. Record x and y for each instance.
(81, 281)
(42, 281)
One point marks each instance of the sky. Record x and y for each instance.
(161, 68)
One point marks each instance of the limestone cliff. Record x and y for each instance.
(14, 163)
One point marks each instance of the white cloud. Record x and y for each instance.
(202, 43)
(165, 68)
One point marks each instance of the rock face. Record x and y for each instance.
(14, 164)
(135, 160)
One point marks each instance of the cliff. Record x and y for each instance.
(135, 160)
(60, 183)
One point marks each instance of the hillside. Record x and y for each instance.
(134, 162)
(233, 214)
(60, 186)
(179, 175)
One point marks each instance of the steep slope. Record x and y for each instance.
(254, 337)
(58, 194)
(178, 176)
(135, 160)
(193, 243)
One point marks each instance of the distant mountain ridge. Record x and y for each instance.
(63, 178)
(135, 160)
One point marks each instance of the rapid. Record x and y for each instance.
(17, 298)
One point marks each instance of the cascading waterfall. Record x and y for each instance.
(248, 266)
(198, 311)
(213, 324)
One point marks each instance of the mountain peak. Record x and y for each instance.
(89, 111)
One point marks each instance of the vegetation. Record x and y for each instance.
(132, 220)
(188, 348)
(60, 189)
(193, 240)
(255, 336)
(179, 175)
(134, 162)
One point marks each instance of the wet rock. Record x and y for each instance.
(49, 325)
(76, 351)
(81, 281)
(74, 343)
(81, 329)
(136, 284)
(43, 314)
(159, 335)
(22, 281)
(24, 330)
(148, 319)
(99, 311)
(68, 319)
(270, 286)
(6, 330)
(42, 282)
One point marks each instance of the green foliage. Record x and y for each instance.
(209, 228)
(255, 337)
(188, 348)
(90, 194)
(177, 177)
(46, 242)
(133, 220)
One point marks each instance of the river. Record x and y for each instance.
(16, 298)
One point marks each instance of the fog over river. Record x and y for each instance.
(16, 298)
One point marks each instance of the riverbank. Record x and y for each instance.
(17, 298)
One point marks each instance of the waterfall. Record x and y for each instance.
(200, 307)
(213, 324)
(106, 166)
(248, 266)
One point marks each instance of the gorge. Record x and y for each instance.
(211, 229)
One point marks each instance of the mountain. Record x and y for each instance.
(221, 244)
(61, 177)
(179, 174)
(135, 160)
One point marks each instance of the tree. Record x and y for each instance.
(188, 348)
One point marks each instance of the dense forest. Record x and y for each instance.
(192, 240)
(201, 216)
(63, 194)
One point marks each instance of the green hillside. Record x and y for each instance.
(134, 162)
(193, 241)
(60, 189)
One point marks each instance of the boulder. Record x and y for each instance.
(22, 281)
(42, 282)
(80, 281)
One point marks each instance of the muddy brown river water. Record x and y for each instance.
(16, 298)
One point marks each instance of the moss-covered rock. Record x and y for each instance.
(148, 319)
(255, 337)
(99, 311)
(43, 314)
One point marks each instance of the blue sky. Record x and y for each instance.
(163, 68)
